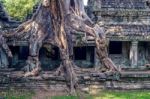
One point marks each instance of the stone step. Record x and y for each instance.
(127, 85)
(127, 80)
(6, 70)
(106, 85)
(135, 74)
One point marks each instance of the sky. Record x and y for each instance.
(85, 2)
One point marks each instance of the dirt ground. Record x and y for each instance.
(46, 94)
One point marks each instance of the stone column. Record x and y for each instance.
(3, 59)
(97, 63)
(148, 52)
(88, 55)
(134, 54)
(124, 50)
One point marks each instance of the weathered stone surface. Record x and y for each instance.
(13, 79)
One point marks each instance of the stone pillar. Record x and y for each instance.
(134, 54)
(96, 60)
(125, 51)
(148, 52)
(3, 59)
(88, 55)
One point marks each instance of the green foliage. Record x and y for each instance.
(19, 9)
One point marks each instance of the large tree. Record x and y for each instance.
(55, 21)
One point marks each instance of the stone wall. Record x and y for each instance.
(87, 82)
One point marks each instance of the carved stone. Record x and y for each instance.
(134, 54)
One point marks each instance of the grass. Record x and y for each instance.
(123, 95)
(114, 95)
(16, 94)
(107, 94)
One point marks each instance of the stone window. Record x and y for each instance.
(14, 61)
(115, 47)
(23, 53)
(84, 57)
(52, 54)
(80, 53)
(49, 58)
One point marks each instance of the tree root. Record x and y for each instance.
(59, 71)
(70, 75)
(33, 67)
(33, 73)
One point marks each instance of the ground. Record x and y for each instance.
(104, 94)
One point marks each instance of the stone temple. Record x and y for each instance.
(127, 26)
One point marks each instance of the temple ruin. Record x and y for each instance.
(129, 44)
(127, 27)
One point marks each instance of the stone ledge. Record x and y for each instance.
(127, 85)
